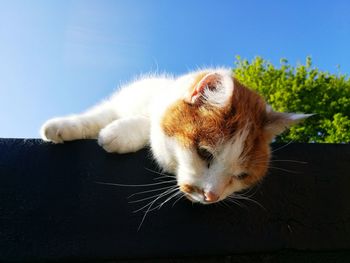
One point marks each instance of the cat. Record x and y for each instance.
(205, 127)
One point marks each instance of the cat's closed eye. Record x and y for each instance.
(242, 176)
(205, 155)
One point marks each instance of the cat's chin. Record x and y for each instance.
(199, 200)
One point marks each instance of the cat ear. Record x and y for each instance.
(277, 122)
(207, 90)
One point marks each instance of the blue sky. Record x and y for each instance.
(60, 57)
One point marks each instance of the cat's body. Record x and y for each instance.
(204, 127)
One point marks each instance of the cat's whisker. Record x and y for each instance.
(149, 206)
(236, 202)
(279, 168)
(158, 172)
(162, 175)
(134, 185)
(263, 157)
(281, 147)
(248, 193)
(284, 170)
(150, 197)
(178, 199)
(178, 193)
(168, 180)
(149, 191)
(222, 202)
(248, 199)
(291, 161)
(166, 200)
(155, 198)
(257, 161)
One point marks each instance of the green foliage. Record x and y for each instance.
(303, 89)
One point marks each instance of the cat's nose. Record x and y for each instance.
(210, 196)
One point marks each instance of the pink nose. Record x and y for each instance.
(210, 196)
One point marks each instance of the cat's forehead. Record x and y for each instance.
(206, 125)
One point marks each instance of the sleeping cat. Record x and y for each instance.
(205, 127)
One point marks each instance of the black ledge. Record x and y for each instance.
(52, 209)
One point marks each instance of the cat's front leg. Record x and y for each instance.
(71, 128)
(80, 126)
(125, 135)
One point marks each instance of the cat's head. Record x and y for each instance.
(219, 135)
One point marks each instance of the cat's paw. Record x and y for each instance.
(59, 130)
(120, 137)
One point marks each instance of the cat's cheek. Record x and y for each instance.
(233, 187)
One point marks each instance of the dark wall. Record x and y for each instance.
(52, 208)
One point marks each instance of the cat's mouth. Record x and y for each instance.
(195, 199)
(197, 195)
